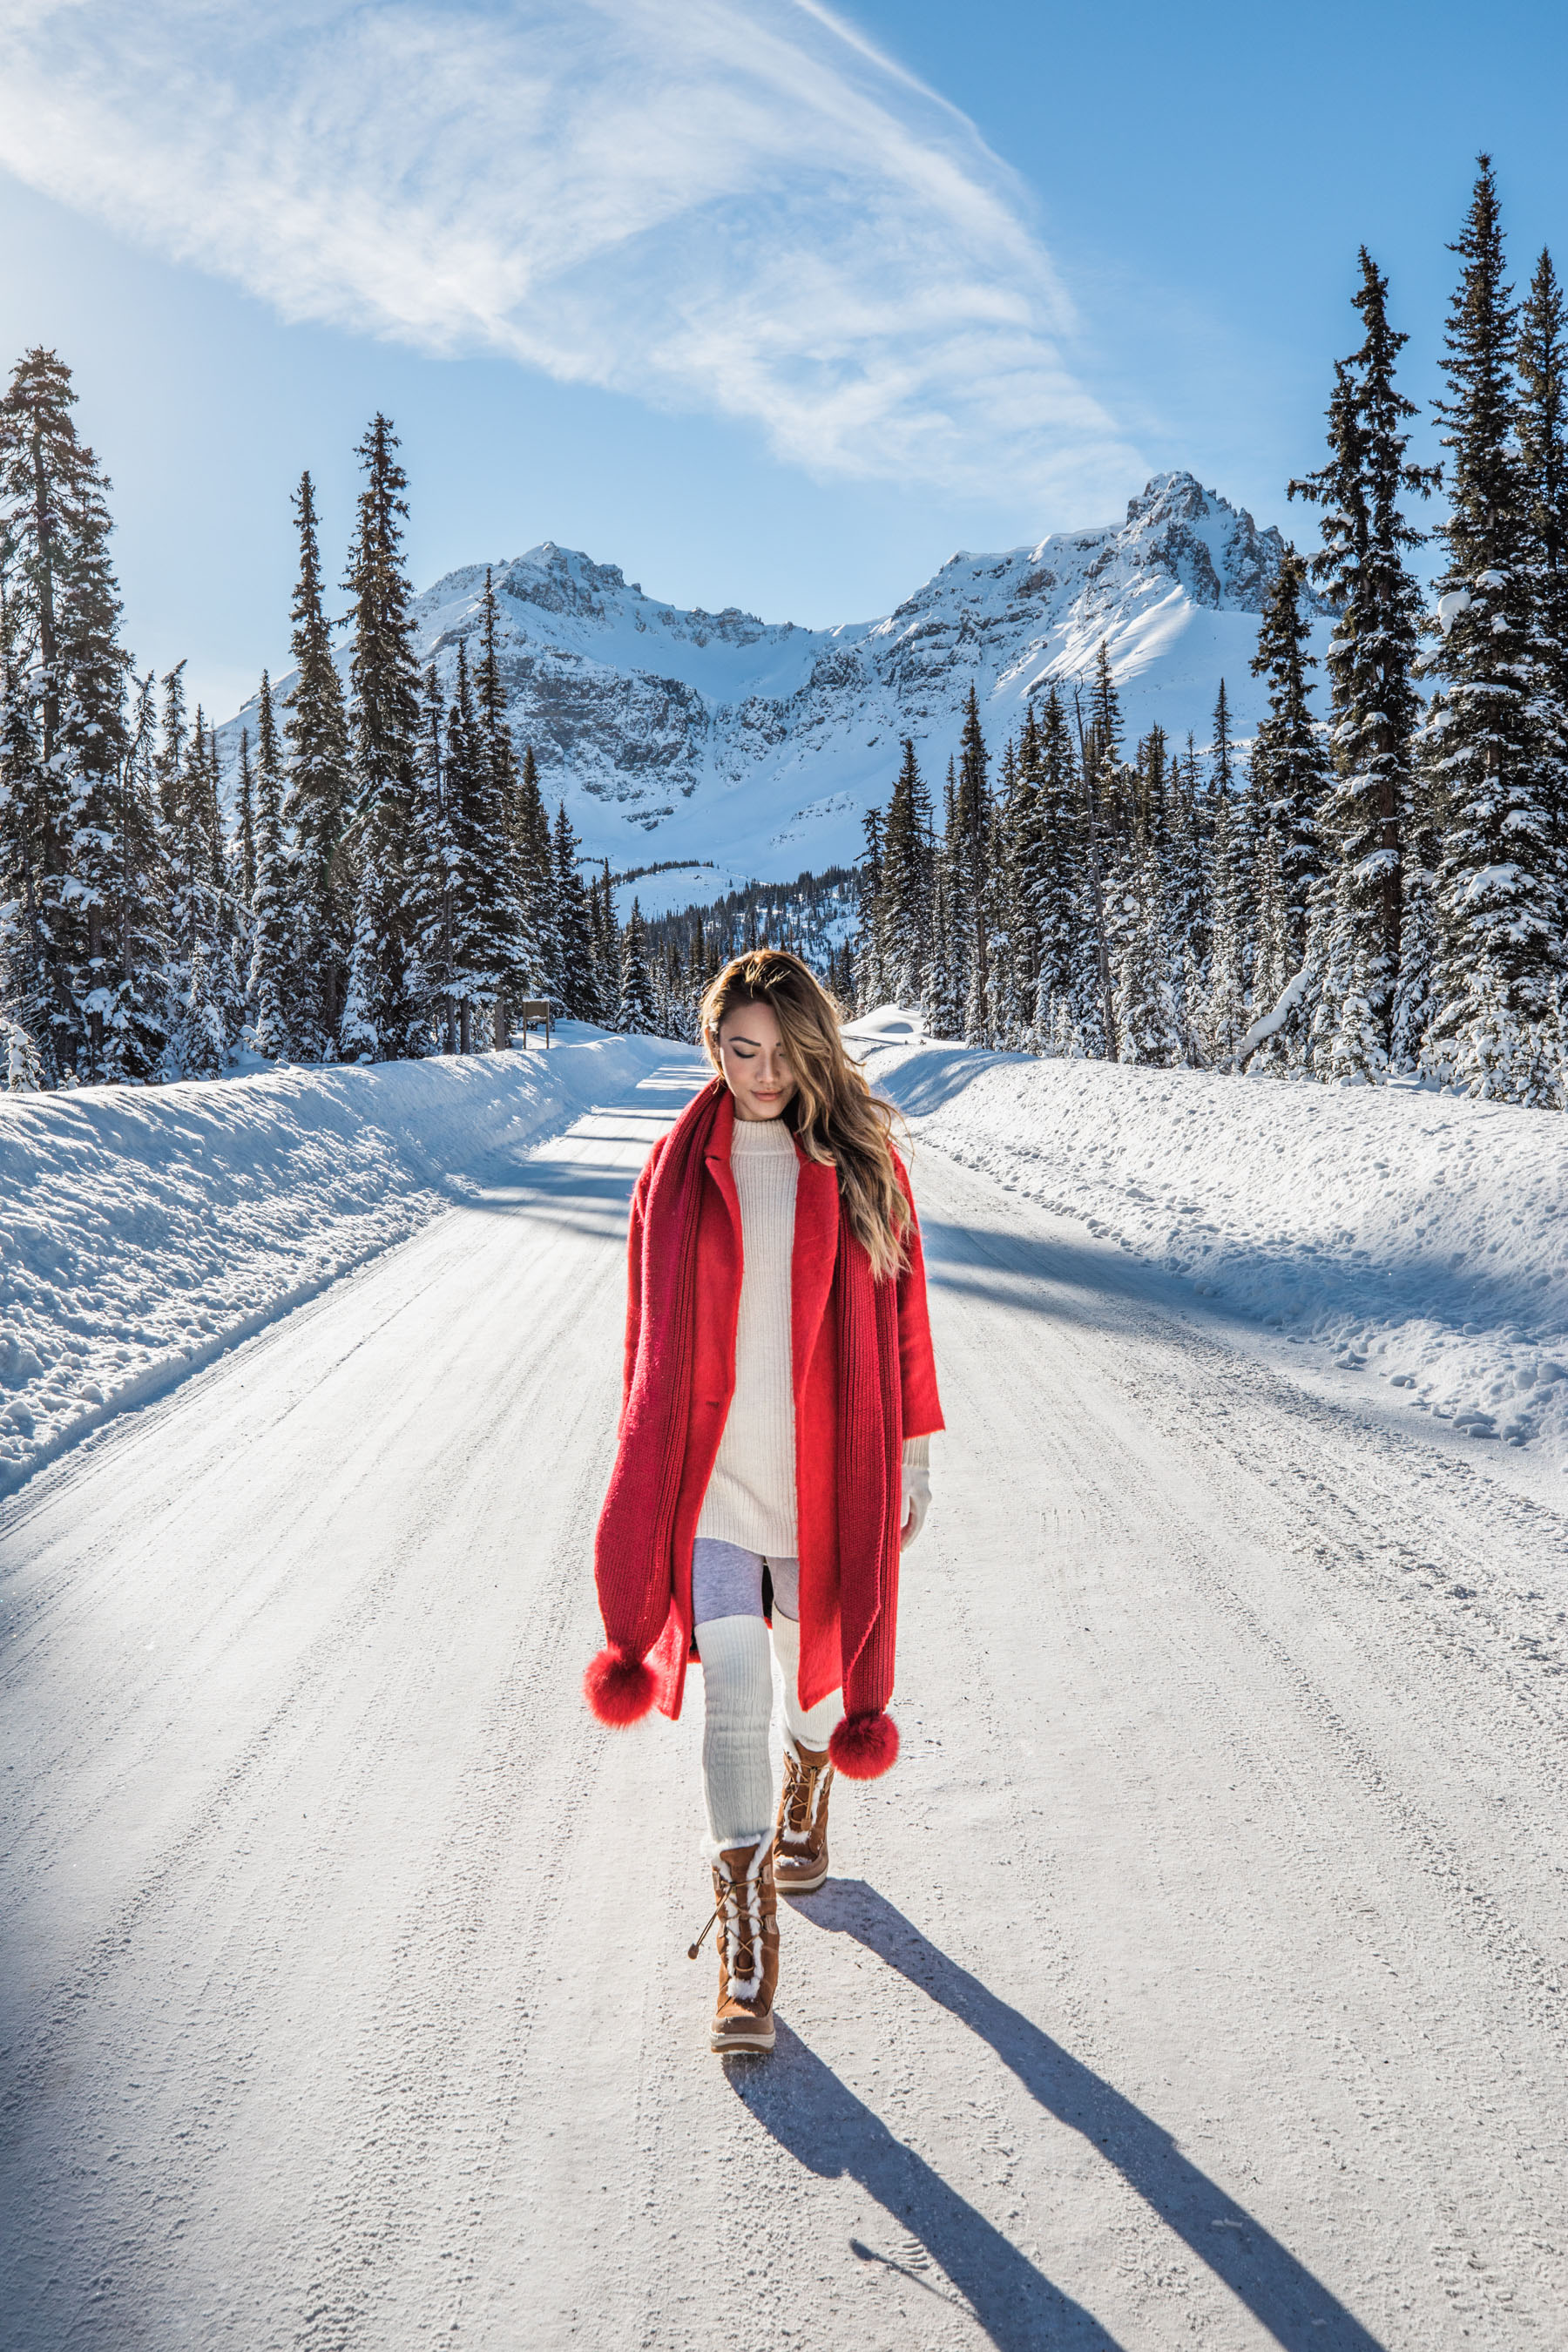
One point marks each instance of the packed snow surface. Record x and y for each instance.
(1417, 1236)
(147, 1228)
(1195, 1979)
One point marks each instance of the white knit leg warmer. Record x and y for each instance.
(738, 1698)
(807, 1726)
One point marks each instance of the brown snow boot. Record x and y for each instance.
(800, 1835)
(746, 1909)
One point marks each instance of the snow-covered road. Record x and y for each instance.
(1197, 1976)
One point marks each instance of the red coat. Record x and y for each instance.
(814, 1349)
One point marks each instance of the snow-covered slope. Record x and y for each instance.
(154, 1226)
(1419, 1240)
(757, 746)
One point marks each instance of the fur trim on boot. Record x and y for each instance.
(800, 1835)
(746, 1909)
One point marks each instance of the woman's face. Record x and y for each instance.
(751, 1056)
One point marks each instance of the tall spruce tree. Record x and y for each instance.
(381, 1012)
(481, 936)
(519, 939)
(1363, 571)
(973, 813)
(244, 816)
(1542, 440)
(870, 940)
(318, 807)
(272, 977)
(1496, 906)
(64, 736)
(436, 859)
(905, 882)
(1058, 878)
(137, 1022)
(535, 854)
(636, 1015)
(1289, 763)
(1221, 1018)
(589, 946)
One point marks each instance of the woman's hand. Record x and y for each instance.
(916, 1501)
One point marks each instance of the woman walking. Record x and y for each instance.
(778, 1399)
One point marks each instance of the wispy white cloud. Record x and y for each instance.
(742, 208)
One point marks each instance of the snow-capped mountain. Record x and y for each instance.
(756, 746)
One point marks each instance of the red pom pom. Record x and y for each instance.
(619, 1689)
(864, 1747)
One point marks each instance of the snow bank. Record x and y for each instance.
(1421, 1237)
(145, 1229)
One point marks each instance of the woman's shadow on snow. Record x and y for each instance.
(802, 2102)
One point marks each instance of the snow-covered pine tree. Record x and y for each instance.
(1289, 766)
(518, 947)
(272, 978)
(318, 807)
(871, 939)
(1014, 866)
(245, 815)
(951, 928)
(589, 948)
(535, 854)
(25, 991)
(1148, 1026)
(1499, 920)
(1058, 880)
(1105, 712)
(65, 736)
(1357, 1055)
(603, 936)
(1361, 569)
(139, 1017)
(383, 721)
(174, 727)
(199, 1047)
(942, 1002)
(481, 939)
(1222, 757)
(973, 810)
(1542, 431)
(1221, 1020)
(1186, 900)
(436, 861)
(905, 882)
(231, 928)
(1276, 960)
(1094, 995)
(193, 855)
(635, 1016)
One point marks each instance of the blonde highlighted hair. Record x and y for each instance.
(839, 1121)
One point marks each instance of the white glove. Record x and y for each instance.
(916, 1501)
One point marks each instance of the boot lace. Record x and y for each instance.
(806, 1789)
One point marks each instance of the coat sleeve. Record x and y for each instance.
(916, 1365)
(634, 1271)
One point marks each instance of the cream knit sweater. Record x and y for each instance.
(751, 1495)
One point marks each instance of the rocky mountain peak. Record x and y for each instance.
(756, 746)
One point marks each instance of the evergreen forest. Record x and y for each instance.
(1375, 886)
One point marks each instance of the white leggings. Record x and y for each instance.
(738, 1685)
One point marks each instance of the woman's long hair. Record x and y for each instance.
(839, 1121)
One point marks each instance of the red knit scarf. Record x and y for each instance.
(635, 1565)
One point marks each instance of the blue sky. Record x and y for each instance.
(772, 305)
